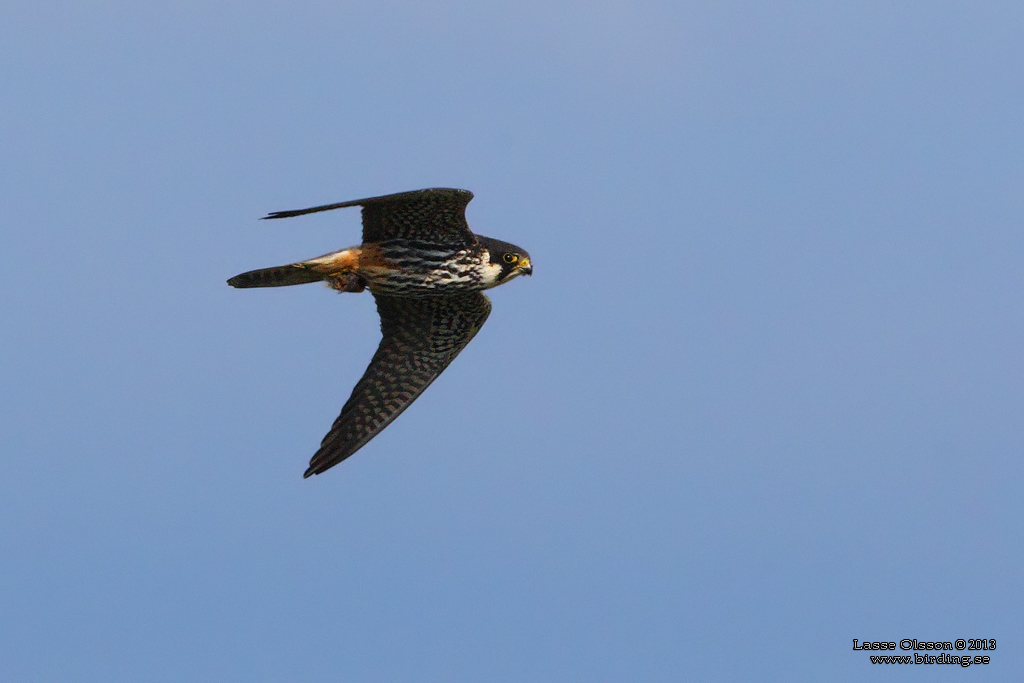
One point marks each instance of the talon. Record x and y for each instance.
(347, 282)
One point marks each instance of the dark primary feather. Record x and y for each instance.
(421, 336)
(436, 216)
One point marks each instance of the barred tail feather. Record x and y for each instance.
(278, 276)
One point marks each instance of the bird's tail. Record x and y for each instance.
(278, 276)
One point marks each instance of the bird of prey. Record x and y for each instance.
(426, 270)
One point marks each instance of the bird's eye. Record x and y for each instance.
(510, 258)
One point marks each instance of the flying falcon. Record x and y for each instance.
(426, 270)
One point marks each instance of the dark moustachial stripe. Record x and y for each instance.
(426, 270)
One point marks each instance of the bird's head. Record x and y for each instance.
(506, 260)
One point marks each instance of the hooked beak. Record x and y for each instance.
(525, 267)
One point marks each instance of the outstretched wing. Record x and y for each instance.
(436, 216)
(421, 336)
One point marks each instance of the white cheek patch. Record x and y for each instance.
(490, 273)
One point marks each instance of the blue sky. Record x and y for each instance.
(762, 395)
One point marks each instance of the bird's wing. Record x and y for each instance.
(436, 215)
(421, 336)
